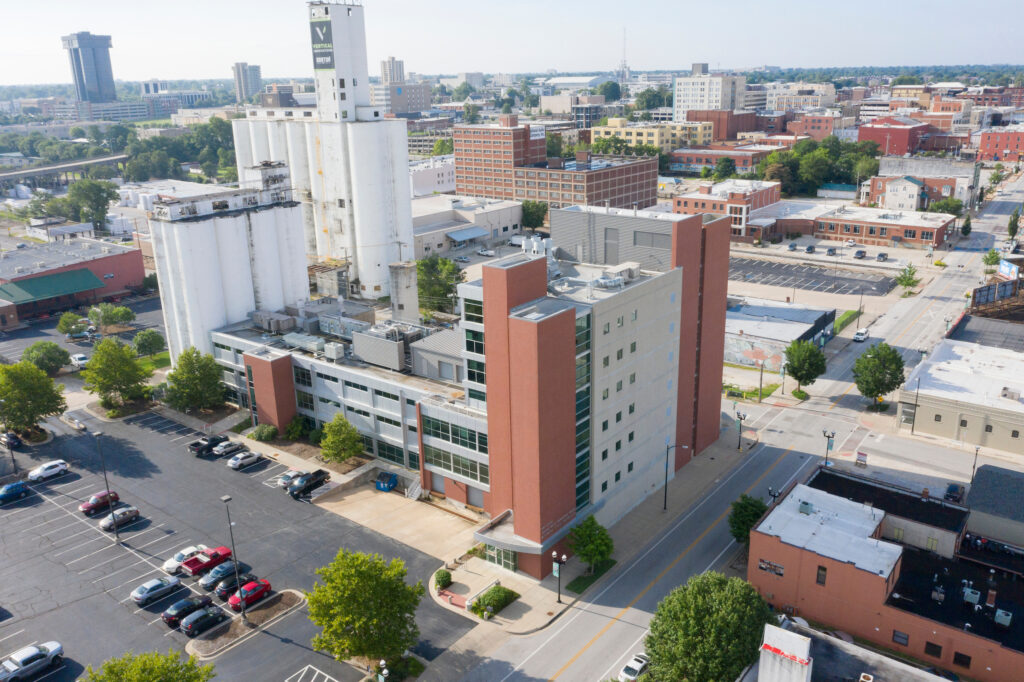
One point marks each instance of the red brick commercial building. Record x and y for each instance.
(486, 154)
(774, 122)
(1002, 144)
(734, 198)
(881, 227)
(695, 159)
(885, 564)
(818, 126)
(987, 96)
(727, 123)
(895, 135)
(619, 181)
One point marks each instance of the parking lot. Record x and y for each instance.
(809, 277)
(63, 578)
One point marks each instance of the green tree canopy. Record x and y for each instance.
(364, 607)
(908, 278)
(724, 168)
(805, 362)
(470, 113)
(93, 197)
(746, 510)
(108, 314)
(553, 142)
(436, 282)
(878, 371)
(590, 541)
(948, 205)
(462, 91)
(1014, 224)
(149, 342)
(534, 213)
(114, 372)
(965, 229)
(340, 440)
(69, 323)
(445, 145)
(194, 383)
(991, 257)
(27, 395)
(47, 356)
(611, 91)
(151, 666)
(815, 169)
(708, 629)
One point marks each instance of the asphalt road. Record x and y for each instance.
(61, 578)
(809, 277)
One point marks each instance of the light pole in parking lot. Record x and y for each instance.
(234, 556)
(106, 485)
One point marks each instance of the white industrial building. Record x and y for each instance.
(224, 255)
(349, 165)
(435, 175)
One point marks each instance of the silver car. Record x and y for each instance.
(154, 589)
(243, 459)
(31, 660)
(119, 517)
(288, 477)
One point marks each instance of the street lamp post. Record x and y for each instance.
(668, 449)
(557, 564)
(384, 672)
(234, 556)
(740, 418)
(829, 436)
(106, 484)
(917, 394)
(974, 468)
(773, 494)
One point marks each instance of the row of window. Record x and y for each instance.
(988, 427)
(618, 477)
(932, 649)
(620, 321)
(453, 433)
(618, 386)
(450, 462)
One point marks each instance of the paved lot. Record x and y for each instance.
(809, 277)
(62, 578)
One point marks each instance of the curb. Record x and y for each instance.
(189, 646)
(49, 437)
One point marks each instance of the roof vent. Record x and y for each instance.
(806, 508)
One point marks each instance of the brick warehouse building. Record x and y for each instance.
(1002, 144)
(554, 397)
(735, 198)
(727, 123)
(895, 135)
(486, 154)
(620, 181)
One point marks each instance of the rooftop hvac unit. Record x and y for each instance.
(605, 282)
(806, 508)
(1003, 618)
(334, 351)
(1011, 393)
(306, 342)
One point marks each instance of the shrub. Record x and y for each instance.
(800, 394)
(315, 436)
(939, 263)
(297, 428)
(108, 403)
(494, 600)
(264, 432)
(443, 578)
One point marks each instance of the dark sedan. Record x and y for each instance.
(198, 622)
(99, 501)
(180, 610)
(306, 484)
(226, 587)
(10, 440)
(210, 580)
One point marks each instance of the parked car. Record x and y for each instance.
(809, 248)
(105, 499)
(792, 246)
(882, 257)
(461, 259)
(243, 459)
(830, 251)
(173, 565)
(79, 360)
(851, 242)
(635, 669)
(207, 559)
(485, 252)
(57, 467)
(10, 440)
(861, 335)
(288, 477)
(229, 585)
(860, 253)
(210, 580)
(31, 660)
(228, 447)
(250, 593)
(152, 590)
(307, 483)
(954, 493)
(181, 609)
(205, 445)
(13, 491)
(198, 622)
(119, 517)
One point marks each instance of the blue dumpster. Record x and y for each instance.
(386, 481)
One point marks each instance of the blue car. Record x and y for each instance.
(13, 491)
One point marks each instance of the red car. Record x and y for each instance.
(251, 593)
(105, 499)
(205, 560)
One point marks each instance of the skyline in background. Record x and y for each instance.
(201, 40)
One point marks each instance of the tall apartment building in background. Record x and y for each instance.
(703, 90)
(248, 81)
(392, 71)
(401, 98)
(90, 66)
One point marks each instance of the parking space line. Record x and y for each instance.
(112, 545)
(92, 539)
(52, 672)
(153, 542)
(52, 530)
(51, 486)
(12, 634)
(30, 517)
(124, 569)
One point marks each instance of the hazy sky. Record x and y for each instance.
(201, 38)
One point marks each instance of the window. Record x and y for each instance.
(384, 394)
(354, 410)
(473, 311)
(328, 401)
(632, 408)
(388, 420)
(618, 445)
(618, 386)
(962, 660)
(618, 354)
(604, 394)
(604, 426)
(900, 637)
(963, 423)
(604, 361)
(607, 327)
(630, 437)
(618, 417)
(604, 455)
(632, 378)
(620, 321)
(358, 387)
(988, 428)
(604, 486)
(933, 649)
(304, 400)
(476, 371)
(632, 347)
(633, 316)
(474, 394)
(326, 377)
(629, 467)
(910, 234)
(1014, 434)
(302, 376)
(938, 417)
(822, 574)
(618, 476)
(475, 342)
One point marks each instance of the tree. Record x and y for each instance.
(554, 145)
(878, 370)
(76, 132)
(108, 314)
(436, 280)
(47, 356)
(114, 372)
(948, 205)
(151, 666)
(364, 607)
(611, 91)
(506, 108)
(708, 629)
(805, 362)
(470, 113)
(991, 257)
(445, 145)
(94, 197)
(462, 91)
(149, 342)
(814, 168)
(1014, 224)
(965, 229)
(907, 80)
(150, 282)
(591, 542)
(340, 440)
(908, 278)
(534, 213)
(706, 172)
(724, 168)
(27, 395)
(745, 513)
(69, 324)
(194, 383)
(865, 167)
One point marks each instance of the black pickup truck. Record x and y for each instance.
(204, 446)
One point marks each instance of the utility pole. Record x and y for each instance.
(760, 382)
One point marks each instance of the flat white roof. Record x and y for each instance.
(647, 213)
(833, 527)
(971, 373)
(888, 216)
(722, 189)
(788, 208)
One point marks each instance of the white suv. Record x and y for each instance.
(48, 470)
(861, 335)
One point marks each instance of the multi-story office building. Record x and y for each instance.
(1002, 144)
(703, 90)
(392, 71)
(248, 81)
(820, 124)
(664, 136)
(735, 198)
(620, 181)
(727, 124)
(90, 66)
(401, 98)
(486, 154)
